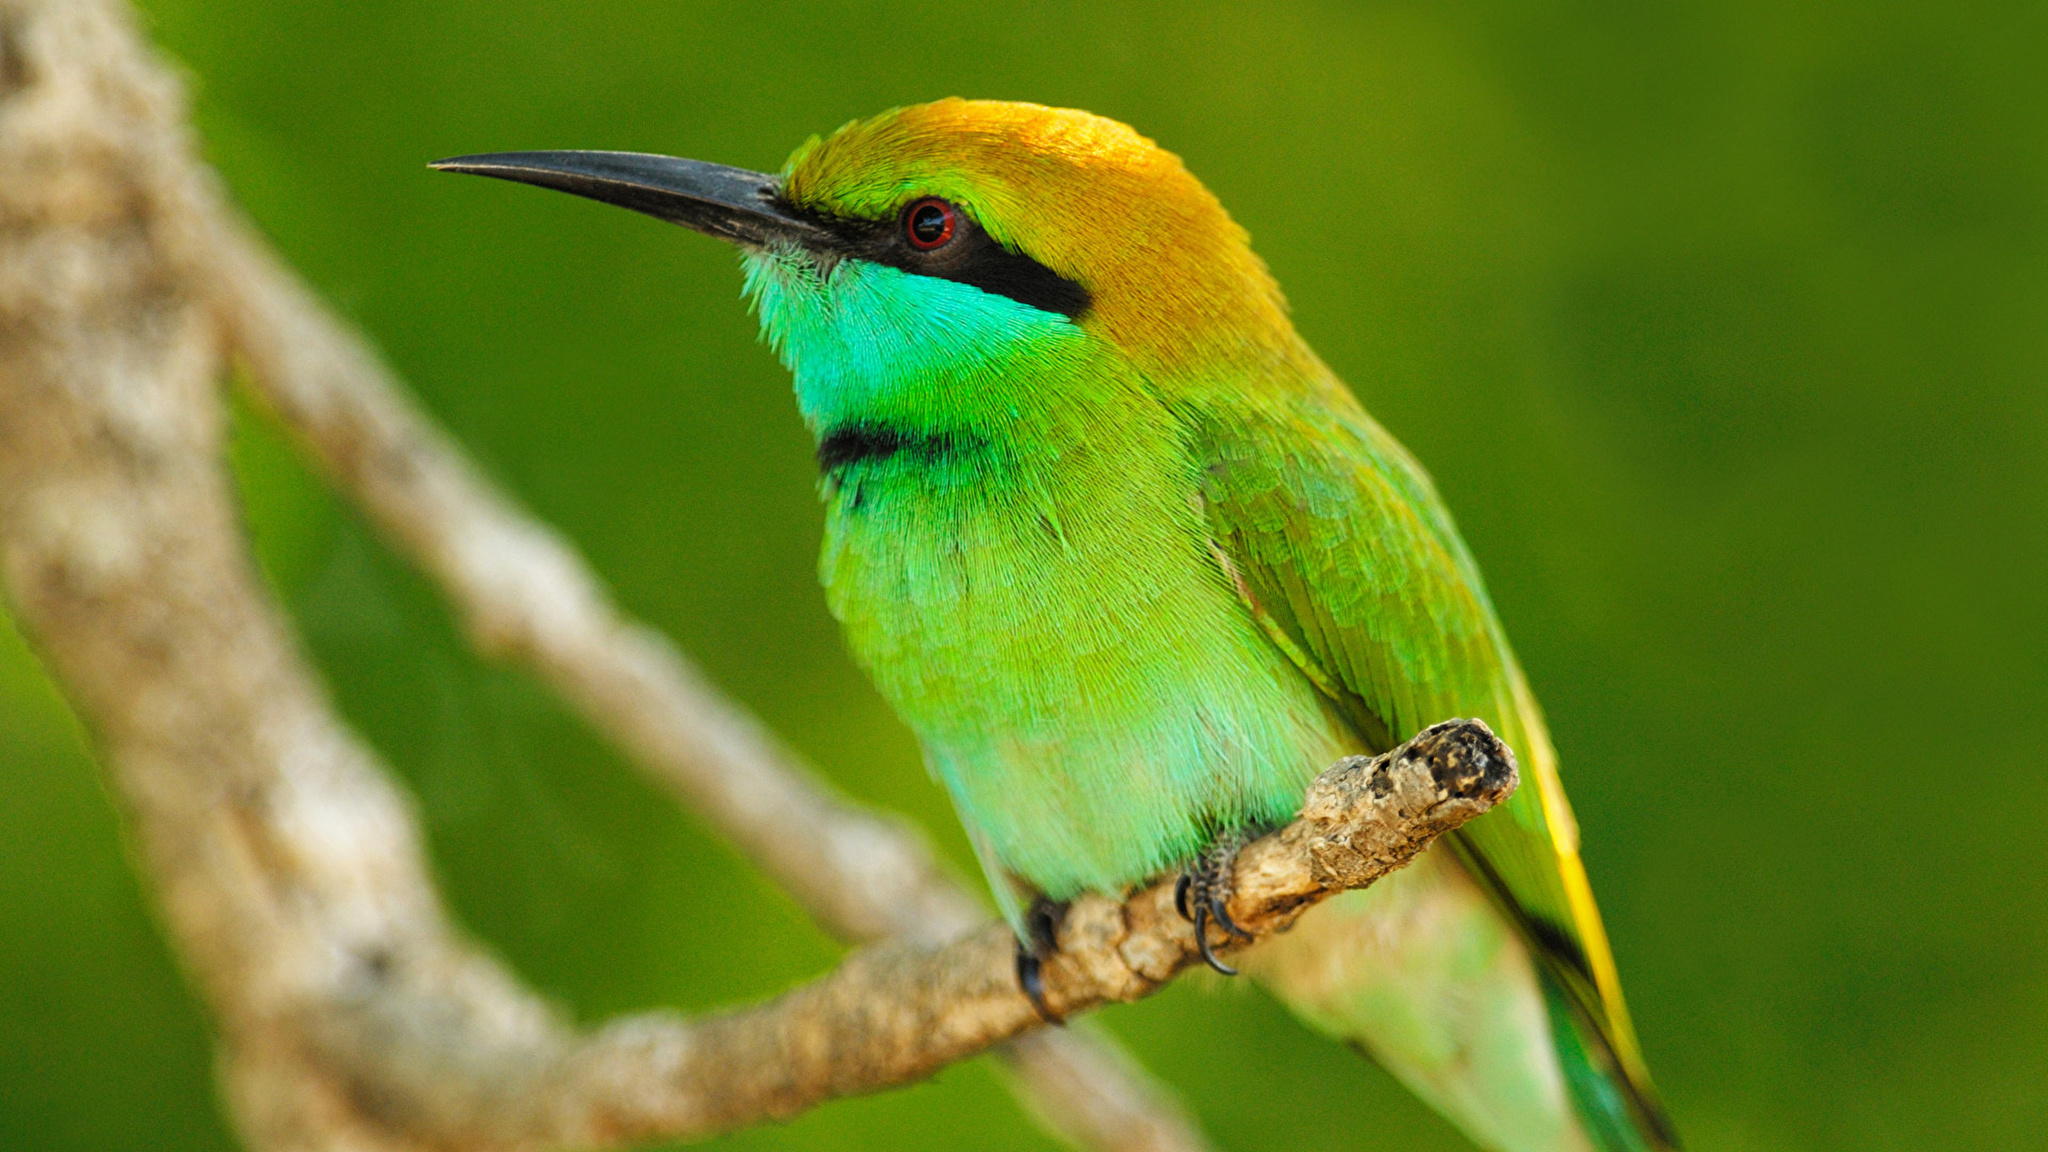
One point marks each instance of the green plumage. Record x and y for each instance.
(1031, 584)
(1123, 621)
(1136, 567)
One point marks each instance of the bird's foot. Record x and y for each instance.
(1041, 939)
(1203, 895)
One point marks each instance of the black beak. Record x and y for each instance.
(730, 203)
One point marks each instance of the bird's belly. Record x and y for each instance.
(1087, 685)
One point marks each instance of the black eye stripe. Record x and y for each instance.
(968, 256)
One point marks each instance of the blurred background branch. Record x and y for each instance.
(1719, 327)
(288, 865)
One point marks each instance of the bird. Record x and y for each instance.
(1135, 566)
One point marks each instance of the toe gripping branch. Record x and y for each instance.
(1202, 894)
(1041, 939)
(1361, 819)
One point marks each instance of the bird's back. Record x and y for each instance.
(1483, 974)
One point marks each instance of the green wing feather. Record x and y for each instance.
(1339, 544)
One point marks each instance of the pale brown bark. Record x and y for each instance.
(288, 866)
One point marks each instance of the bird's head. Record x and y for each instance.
(954, 262)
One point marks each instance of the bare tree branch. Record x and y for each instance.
(88, 117)
(525, 595)
(898, 1011)
(287, 864)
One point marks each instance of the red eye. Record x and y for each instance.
(928, 223)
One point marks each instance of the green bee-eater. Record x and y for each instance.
(1135, 566)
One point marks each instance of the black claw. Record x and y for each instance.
(1041, 939)
(1202, 897)
(1042, 925)
(1031, 979)
(1202, 940)
(1222, 916)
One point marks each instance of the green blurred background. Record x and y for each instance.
(1723, 326)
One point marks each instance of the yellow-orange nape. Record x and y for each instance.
(1173, 279)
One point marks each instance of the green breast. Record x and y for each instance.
(1051, 621)
(1014, 547)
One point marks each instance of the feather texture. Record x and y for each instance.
(1135, 572)
(1339, 542)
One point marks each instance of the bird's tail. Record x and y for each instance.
(1424, 974)
(1612, 1109)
